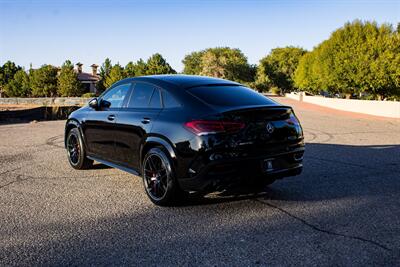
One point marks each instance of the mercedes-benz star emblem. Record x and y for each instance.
(270, 127)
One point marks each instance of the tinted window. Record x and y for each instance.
(141, 95)
(229, 96)
(170, 101)
(155, 101)
(117, 95)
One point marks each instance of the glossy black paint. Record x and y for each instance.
(120, 136)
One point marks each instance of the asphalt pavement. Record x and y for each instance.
(344, 209)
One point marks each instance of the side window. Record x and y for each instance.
(141, 95)
(155, 101)
(116, 95)
(170, 101)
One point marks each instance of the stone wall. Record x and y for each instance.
(37, 113)
(45, 101)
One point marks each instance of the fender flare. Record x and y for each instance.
(159, 141)
(72, 123)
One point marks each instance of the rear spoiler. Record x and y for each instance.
(248, 108)
(214, 84)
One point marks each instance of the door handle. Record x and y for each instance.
(146, 120)
(111, 117)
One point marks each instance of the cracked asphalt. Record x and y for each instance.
(344, 209)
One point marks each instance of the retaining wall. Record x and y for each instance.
(38, 113)
(45, 101)
(389, 109)
(294, 96)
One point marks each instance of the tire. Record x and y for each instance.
(159, 179)
(76, 151)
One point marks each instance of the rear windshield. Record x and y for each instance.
(229, 96)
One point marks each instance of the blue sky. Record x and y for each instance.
(40, 32)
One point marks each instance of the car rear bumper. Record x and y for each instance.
(223, 173)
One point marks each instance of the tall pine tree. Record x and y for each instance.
(67, 81)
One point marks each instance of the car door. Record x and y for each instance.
(99, 126)
(135, 121)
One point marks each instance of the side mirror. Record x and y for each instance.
(94, 103)
(105, 104)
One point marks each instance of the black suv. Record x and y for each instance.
(186, 134)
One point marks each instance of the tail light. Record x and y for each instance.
(292, 120)
(201, 127)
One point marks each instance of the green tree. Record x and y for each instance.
(303, 75)
(19, 85)
(156, 64)
(277, 69)
(313, 74)
(43, 81)
(105, 70)
(136, 69)
(381, 77)
(192, 63)
(7, 72)
(221, 62)
(67, 81)
(227, 63)
(130, 69)
(116, 73)
(361, 57)
(140, 68)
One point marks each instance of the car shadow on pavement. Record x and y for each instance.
(330, 171)
(99, 166)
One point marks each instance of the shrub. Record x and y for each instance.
(275, 90)
(88, 95)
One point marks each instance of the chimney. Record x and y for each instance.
(94, 69)
(79, 67)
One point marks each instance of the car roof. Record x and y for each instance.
(181, 80)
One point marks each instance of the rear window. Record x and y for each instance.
(229, 96)
(170, 101)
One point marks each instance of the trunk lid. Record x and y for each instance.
(268, 129)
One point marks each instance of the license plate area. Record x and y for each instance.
(268, 165)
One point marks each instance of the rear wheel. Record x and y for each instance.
(158, 178)
(76, 151)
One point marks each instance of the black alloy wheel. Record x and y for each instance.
(74, 149)
(76, 152)
(158, 178)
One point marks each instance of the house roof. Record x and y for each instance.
(84, 76)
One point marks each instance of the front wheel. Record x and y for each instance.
(158, 178)
(76, 151)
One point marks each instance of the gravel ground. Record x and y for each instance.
(343, 210)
